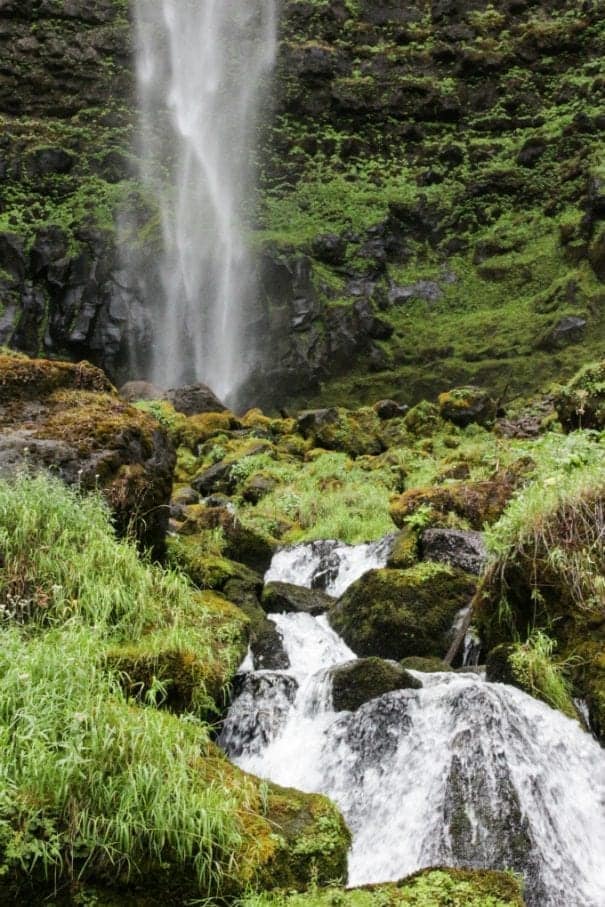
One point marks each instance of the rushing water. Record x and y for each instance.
(201, 68)
(461, 772)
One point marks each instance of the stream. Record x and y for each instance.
(461, 772)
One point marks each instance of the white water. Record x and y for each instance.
(328, 565)
(461, 772)
(200, 68)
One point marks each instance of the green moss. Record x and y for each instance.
(399, 613)
(428, 888)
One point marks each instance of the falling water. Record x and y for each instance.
(201, 68)
(461, 772)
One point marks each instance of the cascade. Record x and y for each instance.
(200, 68)
(461, 772)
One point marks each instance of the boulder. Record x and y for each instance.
(457, 547)
(465, 405)
(193, 399)
(357, 682)
(133, 391)
(476, 503)
(398, 613)
(68, 419)
(389, 409)
(286, 597)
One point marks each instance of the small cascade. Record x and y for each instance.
(328, 565)
(460, 772)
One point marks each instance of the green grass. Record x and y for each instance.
(90, 783)
(331, 497)
(536, 671)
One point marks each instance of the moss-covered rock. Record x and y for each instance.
(285, 597)
(475, 503)
(437, 887)
(365, 679)
(581, 403)
(178, 671)
(465, 405)
(398, 613)
(68, 419)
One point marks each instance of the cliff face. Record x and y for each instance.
(65, 115)
(431, 206)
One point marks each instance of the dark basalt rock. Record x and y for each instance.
(465, 405)
(216, 478)
(570, 329)
(389, 409)
(457, 547)
(360, 681)
(267, 648)
(285, 597)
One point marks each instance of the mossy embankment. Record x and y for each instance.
(109, 667)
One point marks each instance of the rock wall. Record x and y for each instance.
(431, 206)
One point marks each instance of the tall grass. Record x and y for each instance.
(554, 529)
(62, 563)
(91, 784)
(534, 668)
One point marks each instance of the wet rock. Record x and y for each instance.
(285, 597)
(257, 487)
(312, 420)
(365, 679)
(193, 399)
(456, 547)
(267, 648)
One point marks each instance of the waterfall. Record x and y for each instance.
(461, 772)
(200, 68)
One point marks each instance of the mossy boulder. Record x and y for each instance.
(68, 419)
(404, 552)
(353, 432)
(475, 503)
(360, 681)
(581, 403)
(285, 597)
(398, 613)
(435, 887)
(466, 405)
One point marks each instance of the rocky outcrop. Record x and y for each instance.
(68, 419)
